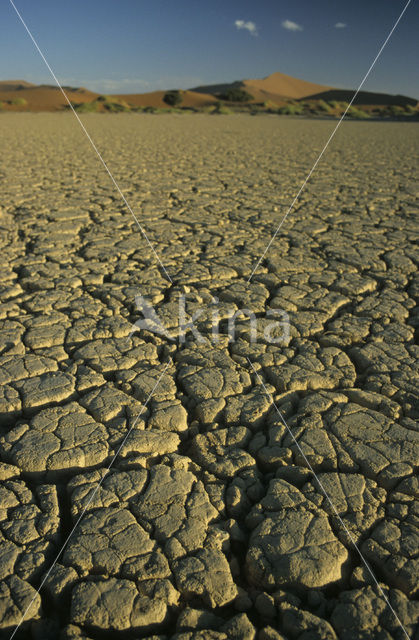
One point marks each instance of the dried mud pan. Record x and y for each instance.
(210, 523)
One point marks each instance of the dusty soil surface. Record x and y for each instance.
(210, 523)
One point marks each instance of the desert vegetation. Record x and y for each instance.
(173, 98)
(220, 100)
(302, 108)
(18, 102)
(173, 104)
(14, 102)
(235, 95)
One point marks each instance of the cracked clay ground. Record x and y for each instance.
(210, 524)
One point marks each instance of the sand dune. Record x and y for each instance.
(13, 85)
(50, 98)
(279, 84)
(278, 88)
(364, 97)
(40, 97)
(155, 99)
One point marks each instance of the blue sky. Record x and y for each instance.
(125, 46)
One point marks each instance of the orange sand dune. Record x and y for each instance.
(41, 98)
(284, 86)
(50, 98)
(155, 99)
(277, 88)
(13, 85)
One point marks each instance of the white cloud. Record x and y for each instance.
(291, 26)
(340, 25)
(249, 26)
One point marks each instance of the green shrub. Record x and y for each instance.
(85, 107)
(359, 114)
(411, 110)
(208, 108)
(1, 106)
(290, 110)
(18, 102)
(322, 106)
(173, 98)
(270, 106)
(221, 109)
(116, 107)
(343, 105)
(395, 111)
(105, 102)
(235, 95)
(149, 110)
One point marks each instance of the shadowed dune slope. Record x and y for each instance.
(364, 97)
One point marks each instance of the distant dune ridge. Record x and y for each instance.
(14, 85)
(277, 88)
(155, 99)
(364, 97)
(282, 85)
(33, 97)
